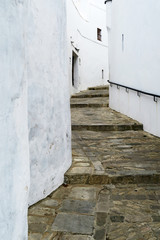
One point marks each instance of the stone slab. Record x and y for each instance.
(77, 237)
(77, 206)
(37, 228)
(80, 170)
(73, 223)
(84, 193)
(34, 236)
(82, 164)
(49, 203)
(41, 211)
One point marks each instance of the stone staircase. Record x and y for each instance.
(94, 97)
(107, 146)
(112, 190)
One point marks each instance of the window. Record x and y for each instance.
(99, 34)
(102, 74)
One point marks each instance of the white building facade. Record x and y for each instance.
(87, 44)
(134, 60)
(35, 142)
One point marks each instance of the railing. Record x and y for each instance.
(136, 90)
(107, 1)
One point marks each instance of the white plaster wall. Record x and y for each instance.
(135, 61)
(49, 108)
(84, 17)
(142, 108)
(33, 50)
(14, 149)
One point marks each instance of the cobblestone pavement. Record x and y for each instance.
(114, 157)
(110, 212)
(112, 190)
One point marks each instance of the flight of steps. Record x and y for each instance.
(90, 112)
(93, 97)
(107, 146)
(112, 190)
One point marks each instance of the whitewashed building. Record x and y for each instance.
(35, 139)
(134, 60)
(87, 44)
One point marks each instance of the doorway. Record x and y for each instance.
(74, 69)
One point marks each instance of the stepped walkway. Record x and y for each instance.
(112, 190)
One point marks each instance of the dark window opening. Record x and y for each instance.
(73, 66)
(102, 74)
(122, 42)
(99, 34)
(75, 61)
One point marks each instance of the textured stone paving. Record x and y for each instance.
(114, 157)
(101, 212)
(112, 190)
(89, 102)
(92, 93)
(101, 119)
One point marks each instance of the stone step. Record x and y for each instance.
(99, 87)
(98, 179)
(128, 157)
(102, 119)
(112, 189)
(107, 127)
(93, 105)
(91, 94)
(89, 102)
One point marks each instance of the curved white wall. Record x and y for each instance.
(135, 59)
(14, 149)
(84, 17)
(49, 106)
(35, 108)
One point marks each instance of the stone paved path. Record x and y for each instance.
(112, 191)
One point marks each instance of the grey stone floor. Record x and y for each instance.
(112, 190)
(114, 157)
(115, 212)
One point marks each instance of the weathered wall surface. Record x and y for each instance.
(48, 94)
(35, 110)
(84, 17)
(14, 149)
(134, 59)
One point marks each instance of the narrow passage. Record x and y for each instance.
(112, 190)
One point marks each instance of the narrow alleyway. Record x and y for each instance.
(112, 190)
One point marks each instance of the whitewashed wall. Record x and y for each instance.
(49, 108)
(35, 110)
(134, 61)
(84, 17)
(14, 149)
